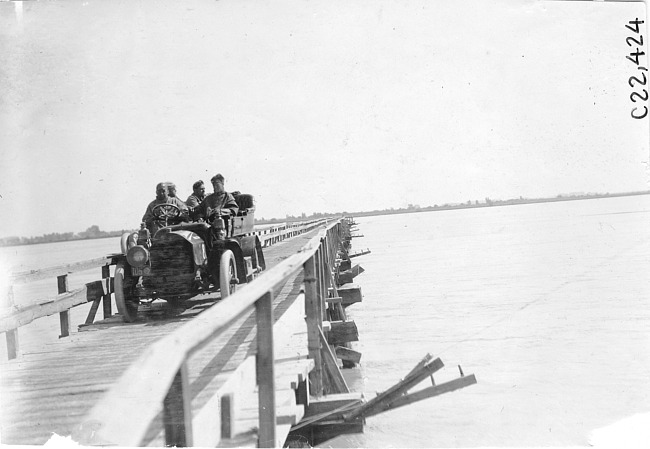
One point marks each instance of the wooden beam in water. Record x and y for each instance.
(345, 265)
(331, 405)
(383, 400)
(342, 332)
(350, 294)
(360, 253)
(323, 419)
(429, 392)
(325, 431)
(347, 276)
(347, 354)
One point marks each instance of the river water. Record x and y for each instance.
(547, 304)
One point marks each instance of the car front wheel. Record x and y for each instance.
(127, 305)
(227, 274)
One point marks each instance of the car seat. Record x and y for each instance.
(246, 203)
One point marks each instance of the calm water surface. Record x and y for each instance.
(547, 304)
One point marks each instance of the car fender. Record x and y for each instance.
(251, 245)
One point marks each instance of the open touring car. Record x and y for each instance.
(182, 260)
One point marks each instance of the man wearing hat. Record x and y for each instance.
(219, 203)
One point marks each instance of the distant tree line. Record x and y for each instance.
(92, 232)
(487, 202)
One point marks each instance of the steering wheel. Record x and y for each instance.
(164, 212)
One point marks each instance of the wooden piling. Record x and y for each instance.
(64, 316)
(177, 412)
(265, 371)
(314, 323)
(106, 299)
(11, 335)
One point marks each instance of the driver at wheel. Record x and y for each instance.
(154, 223)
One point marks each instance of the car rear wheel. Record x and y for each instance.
(127, 305)
(227, 274)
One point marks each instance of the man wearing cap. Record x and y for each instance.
(162, 197)
(218, 203)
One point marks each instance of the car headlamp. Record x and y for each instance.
(137, 256)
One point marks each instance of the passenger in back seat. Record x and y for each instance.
(219, 203)
(195, 198)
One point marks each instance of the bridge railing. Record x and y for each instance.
(125, 413)
(96, 292)
(273, 234)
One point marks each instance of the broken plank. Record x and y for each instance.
(428, 392)
(382, 400)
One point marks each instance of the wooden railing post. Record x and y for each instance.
(177, 412)
(106, 299)
(314, 323)
(11, 335)
(265, 371)
(319, 289)
(64, 317)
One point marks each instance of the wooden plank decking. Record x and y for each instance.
(49, 391)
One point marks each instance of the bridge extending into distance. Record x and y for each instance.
(231, 372)
(260, 368)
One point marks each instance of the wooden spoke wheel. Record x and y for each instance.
(127, 305)
(227, 274)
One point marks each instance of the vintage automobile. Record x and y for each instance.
(185, 259)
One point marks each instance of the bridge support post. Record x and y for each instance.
(322, 289)
(314, 323)
(106, 300)
(64, 317)
(11, 335)
(177, 412)
(265, 371)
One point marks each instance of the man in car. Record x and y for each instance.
(162, 197)
(196, 197)
(171, 189)
(219, 203)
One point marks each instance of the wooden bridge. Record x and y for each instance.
(244, 371)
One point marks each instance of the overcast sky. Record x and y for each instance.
(310, 105)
